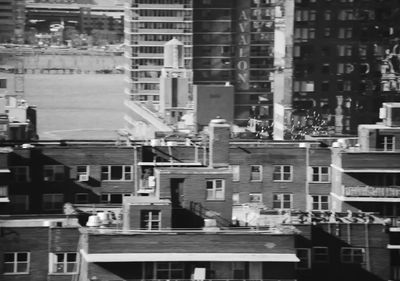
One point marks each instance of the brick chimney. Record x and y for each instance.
(219, 143)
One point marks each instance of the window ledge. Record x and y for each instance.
(117, 180)
(62, 273)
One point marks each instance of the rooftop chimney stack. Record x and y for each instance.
(219, 143)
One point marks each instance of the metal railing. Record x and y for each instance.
(198, 209)
(372, 191)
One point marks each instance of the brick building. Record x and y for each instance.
(276, 190)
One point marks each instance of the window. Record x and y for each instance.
(327, 32)
(169, 270)
(345, 50)
(113, 198)
(282, 173)
(19, 203)
(52, 201)
(255, 198)
(320, 254)
(215, 189)
(325, 86)
(63, 263)
(328, 15)
(352, 255)
(82, 172)
(81, 198)
(303, 86)
(53, 173)
(304, 256)
(326, 68)
(282, 201)
(116, 173)
(150, 219)
(387, 143)
(20, 173)
(16, 263)
(255, 172)
(235, 172)
(320, 174)
(345, 33)
(362, 50)
(347, 85)
(320, 202)
(239, 270)
(305, 15)
(303, 34)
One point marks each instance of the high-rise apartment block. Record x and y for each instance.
(345, 58)
(224, 42)
(337, 59)
(148, 26)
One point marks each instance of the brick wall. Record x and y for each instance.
(371, 237)
(191, 243)
(193, 188)
(135, 214)
(70, 157)
(39, 243)
(268, 157)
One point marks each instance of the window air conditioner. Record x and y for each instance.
(83, 177)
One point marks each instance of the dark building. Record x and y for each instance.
(345, 59)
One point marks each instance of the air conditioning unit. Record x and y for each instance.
(83, 177)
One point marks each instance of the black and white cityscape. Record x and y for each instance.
(204, 140)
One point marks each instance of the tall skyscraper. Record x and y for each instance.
(225, 42)
(149, 24)
(345, 58)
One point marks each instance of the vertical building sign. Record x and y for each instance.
(243, 45)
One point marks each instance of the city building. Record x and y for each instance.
(342, 60)
(285, 195)
(17, 117)
(367, 177)
(12, 21)
(209, 31)
(101, 19)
